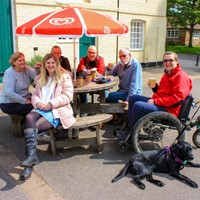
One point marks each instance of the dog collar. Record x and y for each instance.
(176, 159)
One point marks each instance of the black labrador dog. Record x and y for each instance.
(169, 160)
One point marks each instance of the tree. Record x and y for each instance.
(184, 13)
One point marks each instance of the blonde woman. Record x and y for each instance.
(51, 102)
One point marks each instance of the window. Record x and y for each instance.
(172, 33)
(137, 35)
(66, 40)
(196, 34)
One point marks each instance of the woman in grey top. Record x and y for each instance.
(15, 97)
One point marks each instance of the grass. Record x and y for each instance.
(183, 49)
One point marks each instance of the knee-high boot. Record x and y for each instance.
(26, 173)
(31, 143)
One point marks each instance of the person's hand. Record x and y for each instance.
(28, 101)
(40, 106)
(151, 101)
(83, 68)
(48, 107)
(125, 103)
(110, 65)
(38, 65)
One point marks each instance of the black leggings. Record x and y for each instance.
(35, 120)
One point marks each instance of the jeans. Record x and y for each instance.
(114, 97)
(138, 107)
(83, 97)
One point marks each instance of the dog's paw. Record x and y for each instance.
(160, 183)
(194, 185)
(142, 186)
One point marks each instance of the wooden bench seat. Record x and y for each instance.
(81, 122)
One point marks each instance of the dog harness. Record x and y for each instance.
(176, 159)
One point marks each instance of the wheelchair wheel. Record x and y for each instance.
(196, 138)
(155, 131)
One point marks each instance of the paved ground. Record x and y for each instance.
(81, 173)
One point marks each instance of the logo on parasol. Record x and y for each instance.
(106, 30)
(61, 21)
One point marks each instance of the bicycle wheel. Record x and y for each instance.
(196, 138)
(155, 131)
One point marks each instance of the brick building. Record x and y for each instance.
(180, 36)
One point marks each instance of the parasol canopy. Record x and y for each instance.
(72, 22)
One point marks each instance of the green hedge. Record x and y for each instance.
(183, 49)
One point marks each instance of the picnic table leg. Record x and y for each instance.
(75, 109)
(53, 145)
(16, 122)
(98, 138)
(102, 96)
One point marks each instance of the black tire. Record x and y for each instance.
(155, 131)
(196, 138)
(123, 147)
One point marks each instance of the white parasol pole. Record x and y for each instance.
(74, 44)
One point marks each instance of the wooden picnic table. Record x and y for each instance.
(91, 87)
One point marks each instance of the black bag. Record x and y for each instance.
(185, 107)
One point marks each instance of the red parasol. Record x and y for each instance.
(72, 22)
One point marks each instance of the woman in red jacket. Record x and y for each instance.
(174, 86)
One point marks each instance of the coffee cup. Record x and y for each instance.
(89, 77)
(80, 80)
(94, 73)
(152, 82)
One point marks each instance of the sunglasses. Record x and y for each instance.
(168, 60)
(123, 56)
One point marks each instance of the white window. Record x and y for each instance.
(172, 33)
(196, 34)
(137, 35)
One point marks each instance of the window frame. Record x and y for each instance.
(196, 34)
(137, 35)
(173, 33)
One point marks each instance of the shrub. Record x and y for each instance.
(183, 49)
(34, 60)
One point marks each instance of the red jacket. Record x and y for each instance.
(172, 89)
(98, 63)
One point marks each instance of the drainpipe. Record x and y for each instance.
(13, 16)
(117, 40)
(157, 37)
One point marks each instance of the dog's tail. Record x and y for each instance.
(123, 172)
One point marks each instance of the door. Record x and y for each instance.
(84, 43)
(6, 41)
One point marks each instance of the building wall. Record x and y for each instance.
(152, 12)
